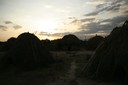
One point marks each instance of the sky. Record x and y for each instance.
(52, 19)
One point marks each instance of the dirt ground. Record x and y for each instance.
(77, 63)
(65, 72)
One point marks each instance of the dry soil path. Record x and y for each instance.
(69, 78)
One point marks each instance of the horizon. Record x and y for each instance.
(54, 19)
(86, 38)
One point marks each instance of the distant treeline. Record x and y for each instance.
(67, 43)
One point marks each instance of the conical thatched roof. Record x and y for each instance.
(94, 42)
(29, 52)
(110, 61)
(69, 42)
(70, 38)
(8, 44)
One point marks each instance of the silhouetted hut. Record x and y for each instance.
(8, 44)
(110, 61)
(29, 52)
(70, 42)
(94, 42)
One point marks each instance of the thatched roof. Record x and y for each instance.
(69, 41)
(5, 46)
(94, 42)
(110, 61)
(70, 37)
(29, 52)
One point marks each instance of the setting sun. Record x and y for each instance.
(47, 26)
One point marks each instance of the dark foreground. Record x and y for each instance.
(67, 71)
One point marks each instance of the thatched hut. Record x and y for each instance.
(29, 52)
(8, 44)
(94, 42)
(110, 61)
(70, 42)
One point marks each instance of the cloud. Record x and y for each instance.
(44, 34)
(87, 19)
(103, 25)
(92, 13)
(107, 6)
(116, 20)
(54, 34)
(93, 23)
(100, 5)
(8, 22)
(3, 28)
(75, 21)
(96, 22)
(17, 27)
(126, 12)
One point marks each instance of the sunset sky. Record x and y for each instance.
(52, 19)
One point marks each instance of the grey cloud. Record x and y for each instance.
(113, 6)
(11, 24)
(3, 28)
(116, 20)
(95, 27)
(100, 6)
(44, 33)
(117, 2)
(92, 13)
(87, 19)
(17, 27)
(54, 34)
(126, 12)
(103, 27)
(109, 8)
(76, 21)
(8, 22)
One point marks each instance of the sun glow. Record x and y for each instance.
(48, 26)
